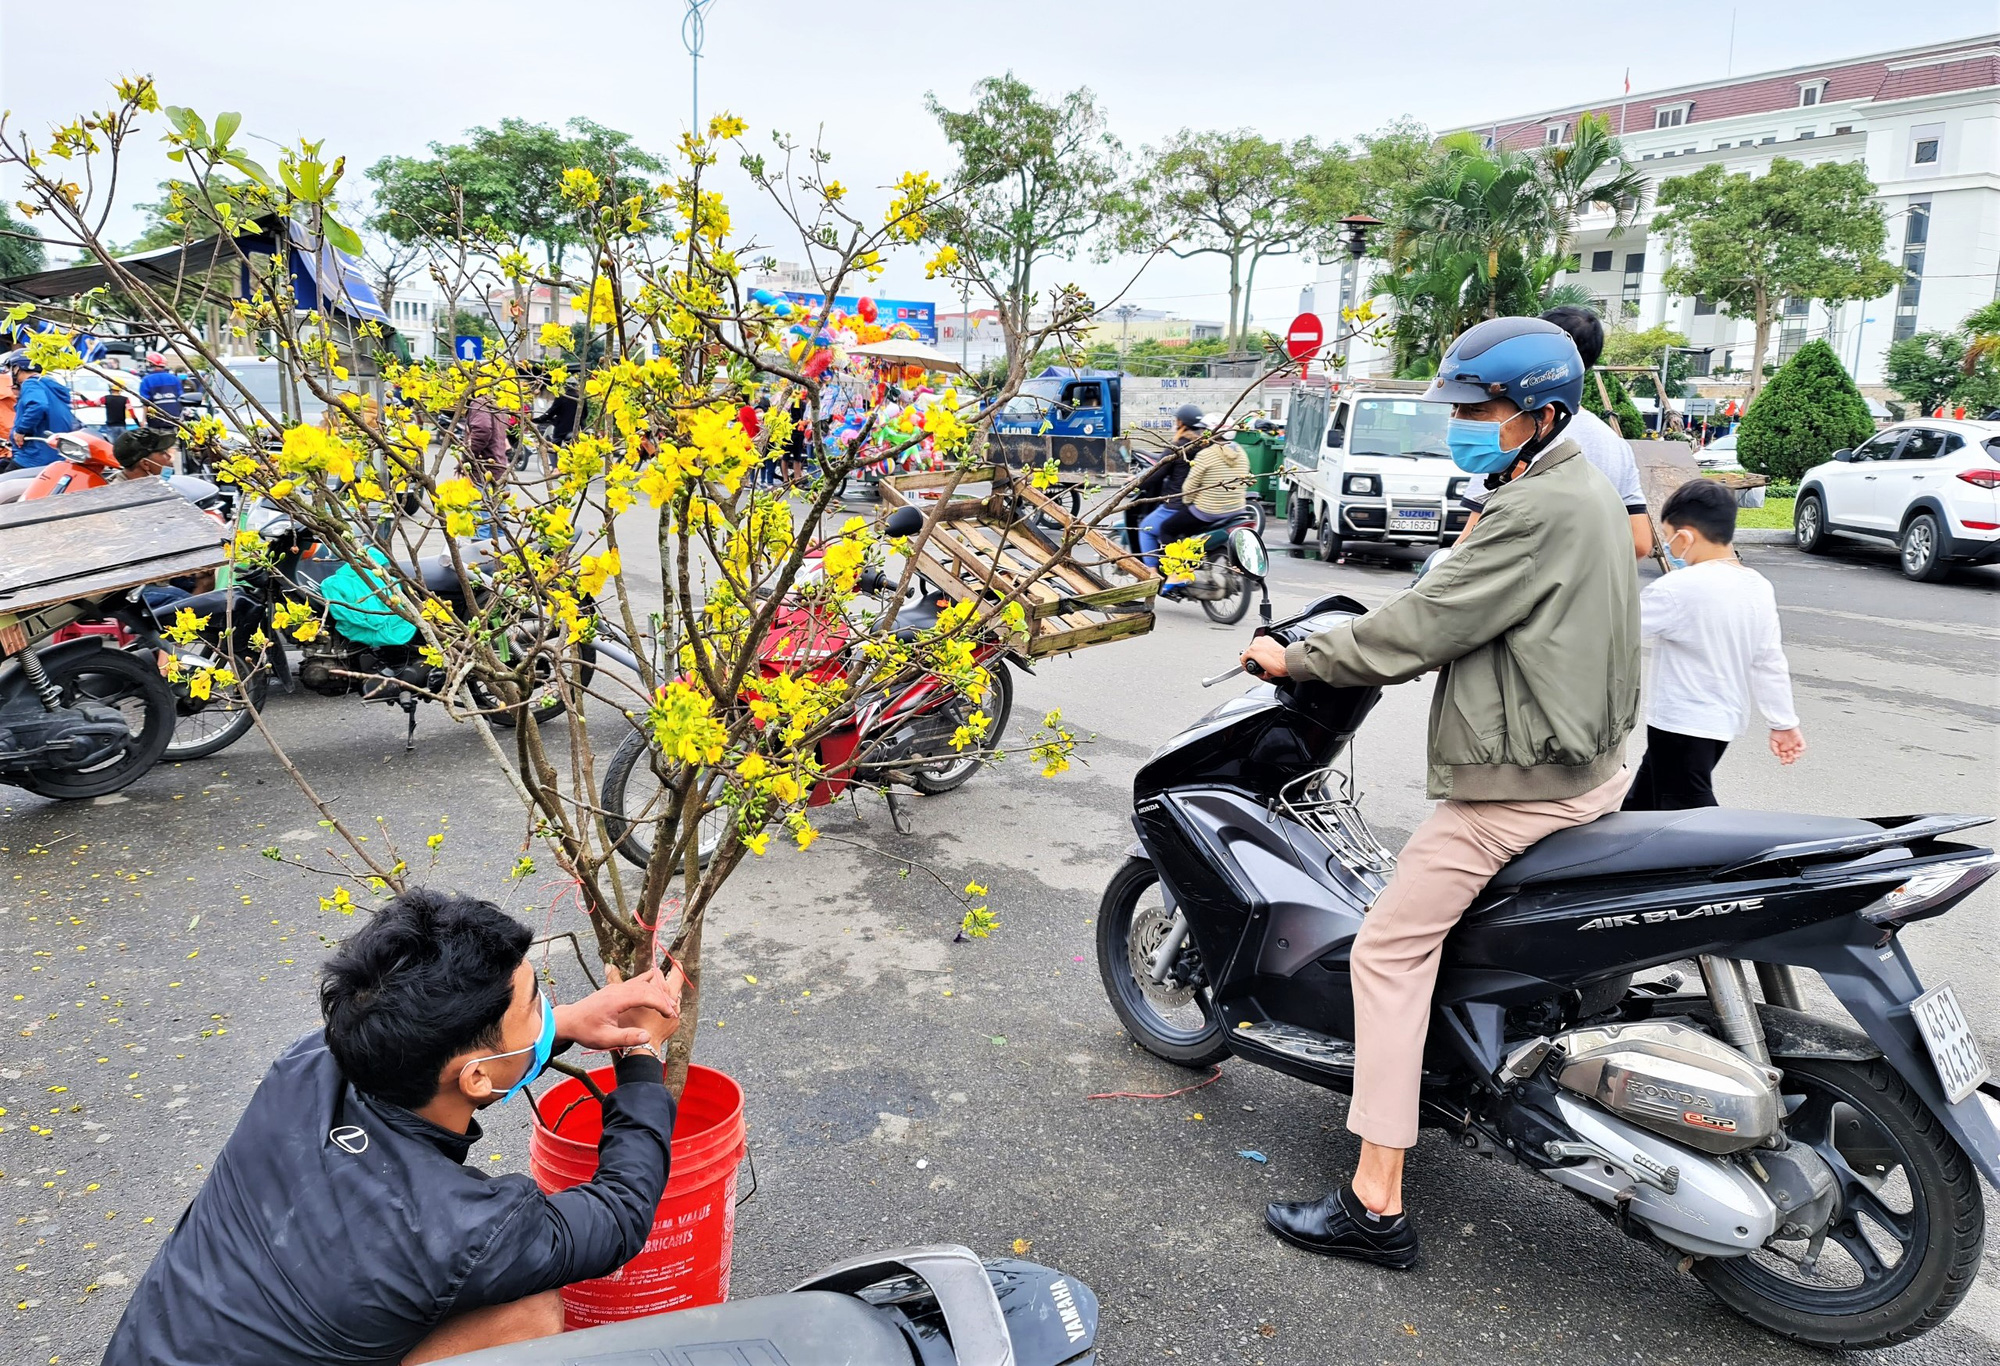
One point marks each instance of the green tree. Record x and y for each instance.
(184, 213)
(21, 251)
(1591, 170)
(1925, 368)
(1392, 159)
(1242, 197)
(1624, 346)
(1034, 180)
(1811, 232)
(502, 191)
(1809, 410)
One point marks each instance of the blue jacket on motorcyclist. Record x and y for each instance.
(41, 410)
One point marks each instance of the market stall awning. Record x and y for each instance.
(899, 352)
(322, 278)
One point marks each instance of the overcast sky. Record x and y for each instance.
(374, 77)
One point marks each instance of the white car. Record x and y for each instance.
(1371, 464)
(1719, 454)
(88, 390)
(1931, 486)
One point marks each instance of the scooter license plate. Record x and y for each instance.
(1413, 521)
(1954, 1052)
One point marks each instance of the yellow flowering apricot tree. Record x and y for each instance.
(633, 595)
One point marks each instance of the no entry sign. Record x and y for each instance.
(1304, 337)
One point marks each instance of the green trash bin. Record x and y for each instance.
(1265, 453)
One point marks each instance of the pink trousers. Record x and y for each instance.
(1450, 858)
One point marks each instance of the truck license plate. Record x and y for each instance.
(1954, 1052)
(1401, 520)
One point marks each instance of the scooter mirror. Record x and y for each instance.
(1249, 552)
(903, 522)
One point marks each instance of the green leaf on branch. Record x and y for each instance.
(226, 125)
(342, 237)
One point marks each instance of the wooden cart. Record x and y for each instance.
(996, 531)
(58, 555)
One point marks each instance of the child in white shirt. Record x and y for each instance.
(1713, 629)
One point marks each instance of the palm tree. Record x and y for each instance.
(1591, 169)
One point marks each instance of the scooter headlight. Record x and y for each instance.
(1931, 889)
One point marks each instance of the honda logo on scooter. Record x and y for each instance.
(1619, 922)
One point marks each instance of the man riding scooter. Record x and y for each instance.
(1533, 628)
(41, 410)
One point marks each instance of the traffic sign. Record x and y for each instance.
(1305, 336)
(469, 347)
(1700, 407)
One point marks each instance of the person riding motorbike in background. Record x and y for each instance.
(161, 392)
(41, 410)
(1161, 486)
(1533, 627)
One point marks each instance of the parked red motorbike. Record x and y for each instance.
(901, 736)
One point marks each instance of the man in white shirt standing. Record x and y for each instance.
(1712, 625)
(1604, 448)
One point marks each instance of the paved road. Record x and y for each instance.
(905, 1089)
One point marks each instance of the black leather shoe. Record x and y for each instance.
(1339, 1225)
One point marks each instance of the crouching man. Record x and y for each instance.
(340, 1223)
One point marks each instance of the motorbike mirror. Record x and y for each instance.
(903, 522)
(1249, 552)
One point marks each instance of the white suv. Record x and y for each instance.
(1931, 486)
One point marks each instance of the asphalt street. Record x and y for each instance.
(905, 1089)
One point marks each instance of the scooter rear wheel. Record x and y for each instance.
(1904, 1245)
(135, 686)
(1176, 1024)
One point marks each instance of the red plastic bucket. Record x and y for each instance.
(686, 1258)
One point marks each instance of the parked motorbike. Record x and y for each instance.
(1821, 1181)
(79, 718)
(900, 735)
(921, 1306)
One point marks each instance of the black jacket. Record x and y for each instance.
(336, 1228)
(1165, 480)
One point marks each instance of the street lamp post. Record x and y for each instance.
(694, 33)
(1354, 230)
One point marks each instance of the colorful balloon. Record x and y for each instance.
(866, 308)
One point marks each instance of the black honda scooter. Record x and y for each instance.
(921, 1306)
(1821, 1181)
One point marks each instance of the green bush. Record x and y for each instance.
(1809, 410)
(1622, 416)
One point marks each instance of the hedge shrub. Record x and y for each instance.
(1809, 410)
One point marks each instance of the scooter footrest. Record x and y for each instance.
(1322, 1050)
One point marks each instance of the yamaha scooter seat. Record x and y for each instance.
(805, 1328)
(438, 574)
(1630, 843)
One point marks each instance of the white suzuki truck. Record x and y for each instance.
(1366, 461)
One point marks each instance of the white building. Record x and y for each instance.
(1925, 121)
(417, 313)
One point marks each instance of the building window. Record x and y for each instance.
(1671, 116)
(1555, 135)
(1805, 133)
(1841, 130)
(1646, 156)
(1811, 93)
(1916, 239)
(1486, 141)
(1767, 138)
(1698, 364)
(1927, 152)
(1600, 260)
(1689, 151)
(1792, 327)
(1703, 306)
(1601, 307)
(1628, 294)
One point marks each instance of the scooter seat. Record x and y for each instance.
(1632, 843)
(438, 574)
(805, 1328)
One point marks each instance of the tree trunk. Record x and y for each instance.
(1762, 308)
(1235, 294)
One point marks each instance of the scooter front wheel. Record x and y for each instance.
(1172, 1021)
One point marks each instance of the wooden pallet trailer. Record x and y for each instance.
(988, 546)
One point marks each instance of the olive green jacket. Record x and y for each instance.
(1533, 626)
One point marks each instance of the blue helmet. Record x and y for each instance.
(1524, 359)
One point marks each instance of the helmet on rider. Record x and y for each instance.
(156, 360)
(1189, 415)
(1497, 373)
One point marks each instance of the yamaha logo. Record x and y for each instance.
(1707, 908)
(350, 1138)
